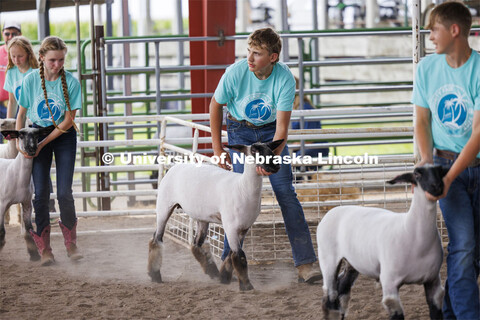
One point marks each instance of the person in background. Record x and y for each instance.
(446, 96)
(21, 61)
(308, 124)
(10, 30)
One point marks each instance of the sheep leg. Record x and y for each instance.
(391, 300)
(226, 270)
(203, 256)
(330, 302)
(7, 216)
(155, 246)
(345, 282)
(3, 209)
(238, 258)
(155, 253)
(239, 261)
(27, 222)
(434, 293)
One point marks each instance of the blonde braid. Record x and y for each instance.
(42, 77)
(65, 94)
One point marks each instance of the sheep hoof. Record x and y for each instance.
(2, 244)
(226, 271)
(155, 276)
(397, 316)
(31, 247)
(334, 315)
(225, 277)
(34, 256)
(204, 257)
(212, 271)
(245, 286)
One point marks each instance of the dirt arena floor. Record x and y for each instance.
(111, 282)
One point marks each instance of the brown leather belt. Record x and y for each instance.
(450, 155)
(245, 122)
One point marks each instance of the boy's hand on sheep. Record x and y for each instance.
(225, 160)
(262, 172)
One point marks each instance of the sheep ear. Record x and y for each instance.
(237, 147)
(406, 177)
(274, 144)
(10, 134)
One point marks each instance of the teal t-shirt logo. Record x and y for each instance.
(454, 111)
(44, 113)
(258, 110)
(17, 92)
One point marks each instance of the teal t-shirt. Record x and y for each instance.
(13, 81)
(33, 99)
(254, 100)
(452, 95)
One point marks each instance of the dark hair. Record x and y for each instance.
(449, 13)
(268, 39)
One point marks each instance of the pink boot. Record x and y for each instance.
(43, 245)
(70, 237)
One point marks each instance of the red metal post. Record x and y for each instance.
(210, 18)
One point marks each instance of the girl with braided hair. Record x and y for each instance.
(50, 97)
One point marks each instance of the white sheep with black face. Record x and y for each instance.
(211, 194)
(393, 248)
(8, 150)
(17, 186)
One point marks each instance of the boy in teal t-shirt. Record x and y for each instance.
(254, 100)
(259, 93)
(447, 131)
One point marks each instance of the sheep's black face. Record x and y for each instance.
(430, 179)
(29, 140)
(264, 153)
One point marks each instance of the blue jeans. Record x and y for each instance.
(461, 212)
(293, 216)
(3, 115)
(64, 147)
(3, 110)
